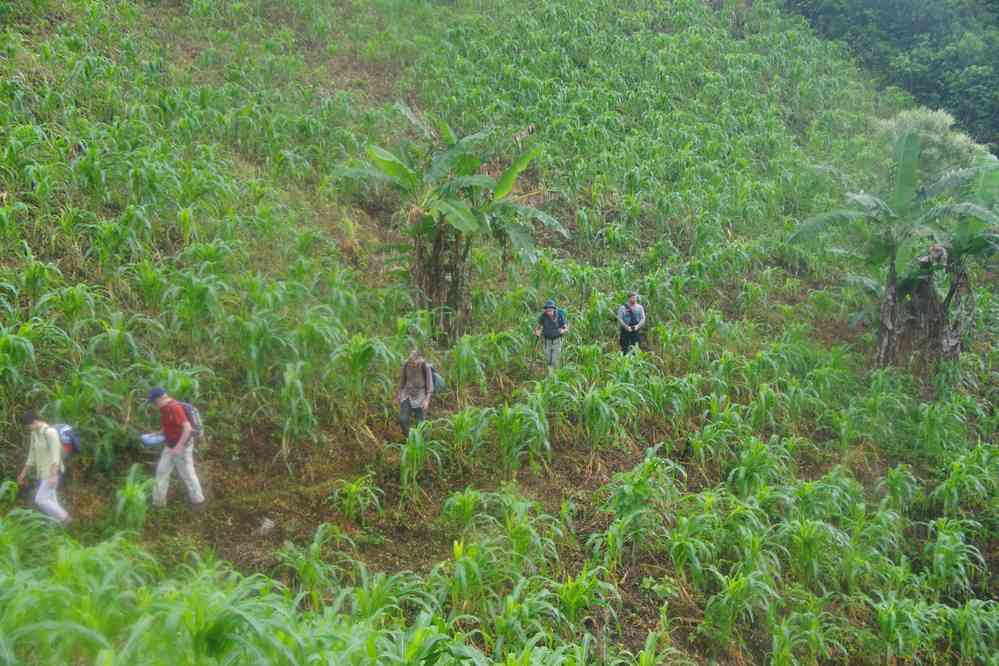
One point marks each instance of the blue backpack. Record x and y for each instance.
(439, 383)
(69, 439)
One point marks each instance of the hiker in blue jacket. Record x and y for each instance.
(551, 327)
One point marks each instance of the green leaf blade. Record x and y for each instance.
(506, 181)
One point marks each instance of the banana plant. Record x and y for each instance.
(449, 206)
(892, 229)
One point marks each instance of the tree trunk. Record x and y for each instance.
(440, 277)
(924, 320)
(961, 301)
(890, 327)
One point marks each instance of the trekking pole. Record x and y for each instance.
(537, 341)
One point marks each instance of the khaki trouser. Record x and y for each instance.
(48, 502)
(183, 462)
(553, 353)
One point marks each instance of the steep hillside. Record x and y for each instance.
(180, 205)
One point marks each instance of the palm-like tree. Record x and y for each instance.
(894, 231)
(450, 205)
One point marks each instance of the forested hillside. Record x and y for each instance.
(944, 52)
(264, 206)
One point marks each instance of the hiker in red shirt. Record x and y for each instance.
(178, 449)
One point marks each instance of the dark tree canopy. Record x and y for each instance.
(944, 52)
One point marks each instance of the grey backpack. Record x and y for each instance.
(194, 417)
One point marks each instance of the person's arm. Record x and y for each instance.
(641, 322)
(402, 384)
(565, 327)
(620, 317)
(428, 378)
(27, 465)
(537, 329)
(185, 435)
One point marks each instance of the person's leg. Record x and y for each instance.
(185, 468)
(549, 346)
(417, 413)
(164, 468)
(556, 353)
(623, 341)
(628, 340)
(48, 502)
(404, 416)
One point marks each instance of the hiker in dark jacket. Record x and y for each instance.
(631, 316)
(415, 389)
(551, 327)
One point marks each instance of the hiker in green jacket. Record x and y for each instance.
(551, 327)
(45, 459)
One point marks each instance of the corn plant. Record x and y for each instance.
(299, 419)
(974, 629)
(813, 547)
(133, 499)
(691, 547)
(115, 337)
(636, 531)
(531, 539)
(261, 339)
(353, 366)
(758, 463)
(16, 351)
(580, 595)
(652, 484)
(970, 480)
(462, 509)
(314, 574)
(468, 430)
(9, 491)
(900, 486)
(382, 598)
(805, 636)
(953, 561)
(740, 596)
(605, 409)
(357, 498)
(906, 626)
(521, 616)
(466, 368)
(521, 433)
(414, 454)
(194, 301)
(468, 580)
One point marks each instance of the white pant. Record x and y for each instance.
(46, 500)
(184, 463)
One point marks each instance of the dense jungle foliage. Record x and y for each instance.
(944, 52)
(230, 199)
